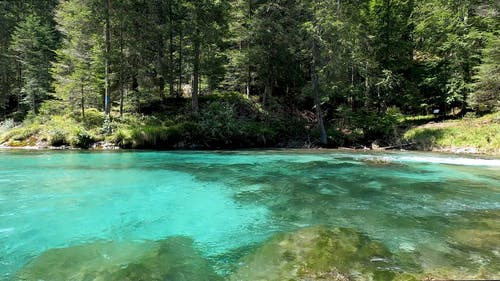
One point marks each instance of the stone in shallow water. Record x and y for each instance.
(173, 259)
(319, 253)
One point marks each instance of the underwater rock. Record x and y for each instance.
(173, 259)
(319, 253)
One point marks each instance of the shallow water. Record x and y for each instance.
(443, 209)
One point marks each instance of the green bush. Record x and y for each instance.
(344, 137)
(20, 133)
(59, 130)
(53, 107)
(384, 127)
(83, 139)
(161, 136)
(122, 137)
(93, 118)
(58, 137)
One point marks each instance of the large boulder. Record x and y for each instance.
(173, 259)
(320, 253)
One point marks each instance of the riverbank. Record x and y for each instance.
(232, 121)
(467, 135)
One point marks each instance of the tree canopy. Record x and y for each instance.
(343, 60)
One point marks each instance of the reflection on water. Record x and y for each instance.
(434, 214)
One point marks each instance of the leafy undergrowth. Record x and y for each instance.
(228, 120)
(470, 134)
(231, 120)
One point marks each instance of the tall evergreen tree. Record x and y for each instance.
(79, 70)
(33, 43)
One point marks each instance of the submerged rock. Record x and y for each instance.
(320, 253)
(173, 259)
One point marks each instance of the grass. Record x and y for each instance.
(476, 134)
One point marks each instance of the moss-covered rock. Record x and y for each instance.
(171, 259)
(319, 253)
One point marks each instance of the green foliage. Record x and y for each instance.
(52, 130)
(53, 107)
(368, 56)
(82, 139)
(21, 133)
(59, 130)
(93, 118)
(232, 120)
(78, 70)
(33, 43)
(486, 94)
(356, 128)
(472, 134)
(159, 136)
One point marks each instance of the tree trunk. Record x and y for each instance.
(35, 109)
(317, 102)
(196, 72)
(179, 89)
(107, 98)
(249, 77)
(161, 51)
(82, 101)
(19, 85)
(122, 87)
(249, 73)
(135, 91)
(171, 48)
(267, 92)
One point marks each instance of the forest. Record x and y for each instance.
(243, 73)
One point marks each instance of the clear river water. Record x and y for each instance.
(444, 209)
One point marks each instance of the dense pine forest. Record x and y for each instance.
(243, 73)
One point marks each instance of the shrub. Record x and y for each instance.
(161, 136)
(53, 107)
(122, 138)
(83, 139)
(58, 137)
(93, 118)
(59, 130)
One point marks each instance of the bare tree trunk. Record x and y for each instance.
(82, 101)
(121, 70)
(315, 84)
(179, 89)
(249, 77)
(107, 97)
(161, 50)
(19, 85)
(249, 73)
(35, 109)
(196, 72)
(267, 92)
(171, 48)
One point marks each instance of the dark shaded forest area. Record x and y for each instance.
(241, 73)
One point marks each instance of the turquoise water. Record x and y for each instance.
(230, 202)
